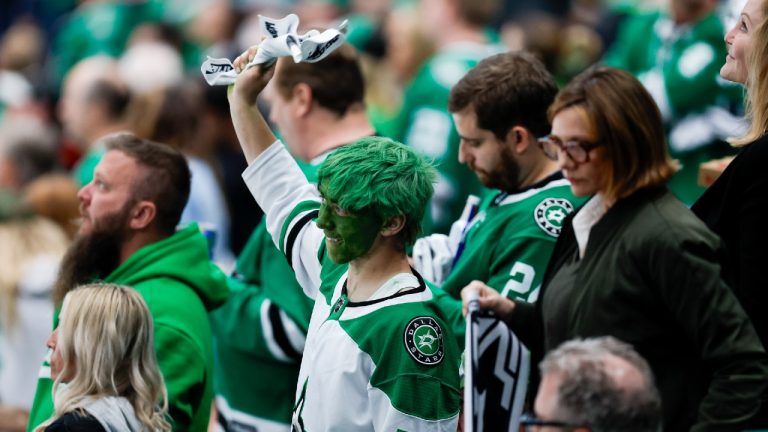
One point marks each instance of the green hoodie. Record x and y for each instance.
(180, 285)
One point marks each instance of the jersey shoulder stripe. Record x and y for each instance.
(294, 233)
(280, 333)
(514, 198)
(302, 214)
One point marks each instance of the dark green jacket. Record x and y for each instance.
(180, 285)
(649, 276)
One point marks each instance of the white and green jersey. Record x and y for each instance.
(508, 244)
(389, 363)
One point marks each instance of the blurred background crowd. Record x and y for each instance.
(73, 71)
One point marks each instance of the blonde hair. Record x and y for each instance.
(107, 347)
(756, 104)
(21, 240)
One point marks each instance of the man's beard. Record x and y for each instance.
(93, 256)
(506, 174)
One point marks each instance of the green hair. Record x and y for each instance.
(382, 175)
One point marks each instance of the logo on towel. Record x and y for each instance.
(215, 68)
(270, 26)
(321, 48)
(424, 341)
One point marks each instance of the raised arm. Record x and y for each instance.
(277, 184)
(251, 128)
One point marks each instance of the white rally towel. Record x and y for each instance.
(280, 40)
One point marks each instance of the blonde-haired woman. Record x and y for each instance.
(736, 205)
(103, 352)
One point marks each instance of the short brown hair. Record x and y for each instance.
(627, 122)
(167, 181)
(336, 81)
(506, 90)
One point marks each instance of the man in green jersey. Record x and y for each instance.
(128, 236)
(380, 353)
(260, 331)
(500, 112)
(458, 29)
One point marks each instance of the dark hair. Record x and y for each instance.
(336, 81)
(112, 97)
(166, 182)
(506, 90)
(627, 122)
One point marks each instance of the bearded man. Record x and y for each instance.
(500, 111)
(128, 236)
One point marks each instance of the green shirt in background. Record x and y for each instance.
(680, 67)
(426, 125)
(260, 334)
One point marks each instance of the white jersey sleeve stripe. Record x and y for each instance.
(269, 336)
(235, 420)
(294, 335)
(278, 185)
(386, 418)
(294, 229)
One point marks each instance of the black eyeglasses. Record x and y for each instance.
(577, 150)
(529, 421)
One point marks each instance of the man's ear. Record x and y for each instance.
(302, 95)
(518, 139)
(142, 215)
(393, 226)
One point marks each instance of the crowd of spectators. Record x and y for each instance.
(85, 84)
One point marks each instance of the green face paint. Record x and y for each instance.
(348, 235)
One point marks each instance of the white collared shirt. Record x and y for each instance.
(586, 218)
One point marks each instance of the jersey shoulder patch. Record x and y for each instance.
(423, 339)
(550, 214)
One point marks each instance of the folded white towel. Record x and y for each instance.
(280, 40)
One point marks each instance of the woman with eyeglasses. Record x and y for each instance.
(636, 264)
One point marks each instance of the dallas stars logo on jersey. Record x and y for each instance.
(424, 340)
(550, 213)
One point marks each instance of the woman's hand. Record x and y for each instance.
(489, 299)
